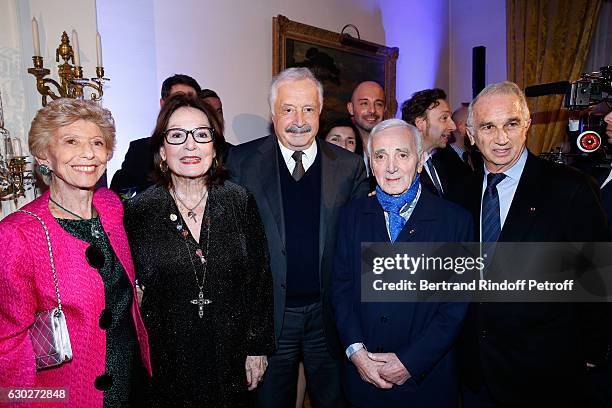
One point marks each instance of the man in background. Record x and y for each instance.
(367, 109)
(134, 175)
(212, 99)
(445, 173)
(459, 141)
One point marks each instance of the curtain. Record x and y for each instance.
(548, 41)
(600, 53)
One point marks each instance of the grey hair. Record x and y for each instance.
(291, 75)
(391, 123)
(499, 88)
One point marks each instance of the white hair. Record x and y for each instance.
(292, 75)
(391, 123)
(499, 88)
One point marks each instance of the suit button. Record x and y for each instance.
(384, 319)
(483, 334)
(106, 318)
(103, 382)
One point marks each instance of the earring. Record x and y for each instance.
(163, 166)
(44, 169)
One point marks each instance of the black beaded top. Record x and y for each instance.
(122, 355)
(200, 361)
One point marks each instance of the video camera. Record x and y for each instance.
(586, 128)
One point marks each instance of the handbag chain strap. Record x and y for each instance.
(59, 302)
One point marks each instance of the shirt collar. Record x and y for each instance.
(309, 154)
(457, 149)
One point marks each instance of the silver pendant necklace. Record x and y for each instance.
(190, 211)
(200, 301)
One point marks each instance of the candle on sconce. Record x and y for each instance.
(35, 37)
(99, 49)
(8, 147)
(16, 144)
(75, 48)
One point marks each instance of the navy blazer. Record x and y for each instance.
(421, 334)
(533, 354)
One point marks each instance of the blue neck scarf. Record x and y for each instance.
(394, 204)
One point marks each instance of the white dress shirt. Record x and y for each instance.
(505, 189)
(308, 158)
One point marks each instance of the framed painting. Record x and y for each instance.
(339, 61)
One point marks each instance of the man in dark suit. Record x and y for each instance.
(135, 174)
(299, 184)
(445, 173)
(399, 354)
(528, 354)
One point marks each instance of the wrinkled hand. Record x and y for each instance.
(255, 367)
(368, 369)
(392, 369)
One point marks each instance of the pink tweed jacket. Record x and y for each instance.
(26, 286)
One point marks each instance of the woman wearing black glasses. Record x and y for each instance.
(200, 253)
(68, 250)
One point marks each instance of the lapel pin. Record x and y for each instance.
(411, 232)
(185, 233)
(173, 217)
(179, 227)
(532, 210)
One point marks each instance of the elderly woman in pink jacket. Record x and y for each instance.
(67, 250)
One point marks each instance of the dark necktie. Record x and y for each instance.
(298, 170)
(491, 222)
(465, 157)
(434, 178)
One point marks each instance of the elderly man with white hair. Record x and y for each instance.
(300, 183)
(397, 354)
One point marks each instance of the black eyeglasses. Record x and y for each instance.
(178, 136)
(95, 257)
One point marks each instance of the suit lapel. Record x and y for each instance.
(417, 227)
(427, 183)
(525, 203)
(375, 221)
(329, 190)
(441, 170)
(270, 182)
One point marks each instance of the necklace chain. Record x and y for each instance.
(94, 231)
(200, 301)
(190, 211)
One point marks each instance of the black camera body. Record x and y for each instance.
(587, 132)
(586, 128)
(590, 89)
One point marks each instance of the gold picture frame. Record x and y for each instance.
(339, 61)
